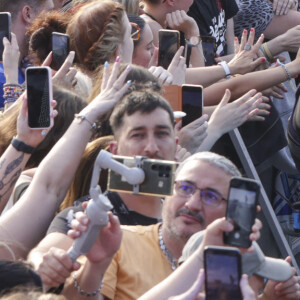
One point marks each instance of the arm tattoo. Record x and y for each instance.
(14, 164)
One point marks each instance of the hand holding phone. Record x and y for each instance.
(5, 24)
(60, 49)
(222, 267)
(192, 102)
(39, 97)
(169, 42)
(241, 210)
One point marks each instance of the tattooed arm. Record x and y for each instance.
(13, 162)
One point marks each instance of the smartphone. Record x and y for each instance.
(169, 43)
(5, 24)
(39, 96)
(209, 49)
(60, 49)
(222, 266)
(192, 102)
(159, 176)
(241, 210)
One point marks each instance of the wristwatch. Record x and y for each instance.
(21, 146)
(194, 40)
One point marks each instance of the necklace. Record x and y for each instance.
(166, 251)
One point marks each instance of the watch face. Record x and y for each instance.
(195, 40)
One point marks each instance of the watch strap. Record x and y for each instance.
(21, 146)
(225, 68)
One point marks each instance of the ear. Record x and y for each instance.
(113, 147)
(27, 14)
(170, 2)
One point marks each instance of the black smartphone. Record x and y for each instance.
(222, 266)
(169, 43)
(60, 49)
(241, 210)
(192, 102)
(5, 23)
(209, 49)
(39, 96)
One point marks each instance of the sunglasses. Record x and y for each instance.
(135, 31)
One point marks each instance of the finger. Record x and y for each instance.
(78, 226)
(105, 75)
(120, 81)
(251, 36)
(178, 125)
(114, 74)
(71, 74)
(225, 98)
(48, 60)
(73, 234)
(259, 42)
(154, 58)
(169, 20)
(236, 45)
(24, 108)
(247, 291)
(176, 59)
(169, 79)
(257, 62)
(243, 39)
(246, 97)
(174, 19)
(66, 65)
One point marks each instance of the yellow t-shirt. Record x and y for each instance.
(139, 264)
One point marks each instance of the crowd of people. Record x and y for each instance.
(110, 94)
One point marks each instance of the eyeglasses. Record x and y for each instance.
(135, 31)
(208, 196)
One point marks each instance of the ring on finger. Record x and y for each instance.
(247, 47)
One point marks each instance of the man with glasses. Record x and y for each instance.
(148, 254)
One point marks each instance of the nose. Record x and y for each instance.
(151, 148)
(194, 202)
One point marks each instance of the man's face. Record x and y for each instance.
(184, 216)
(149, 134)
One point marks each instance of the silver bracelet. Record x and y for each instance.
(83, 292)
(285, 68)
(84, 118)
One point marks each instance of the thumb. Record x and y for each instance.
(154, 59)
(258, 62)
(225, 98)
(47, 60)
(178, 125)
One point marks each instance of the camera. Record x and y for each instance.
(158, 181)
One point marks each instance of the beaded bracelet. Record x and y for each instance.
(289, 77)
(83, 292)
(12, 92)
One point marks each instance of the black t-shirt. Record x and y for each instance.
(62, 221)
(211, 17)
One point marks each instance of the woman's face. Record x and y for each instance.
(145, 48)
(126, 48)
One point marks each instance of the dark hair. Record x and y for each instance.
(96, 30)
(141, 78)
(140, 22)
(40, 32)
(68, 104)
(17, 274)
(14, 6)
(143, 101)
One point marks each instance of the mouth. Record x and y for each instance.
(190, 217)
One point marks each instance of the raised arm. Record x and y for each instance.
(28, 220)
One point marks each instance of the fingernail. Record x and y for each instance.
(106, 64)
(236, 38)
(128, 82)
(251, 29)
(118, 59)
(53, 114)
(128, 67)
(263, 59)
(85, 220)
(244, 31)
(72, 53)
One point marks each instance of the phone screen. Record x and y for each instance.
(222, 274)
(241, 210)
(168, 46)
(39, 96)
(192, 103)
(209, 50)
(60, 49)
(4, 30)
